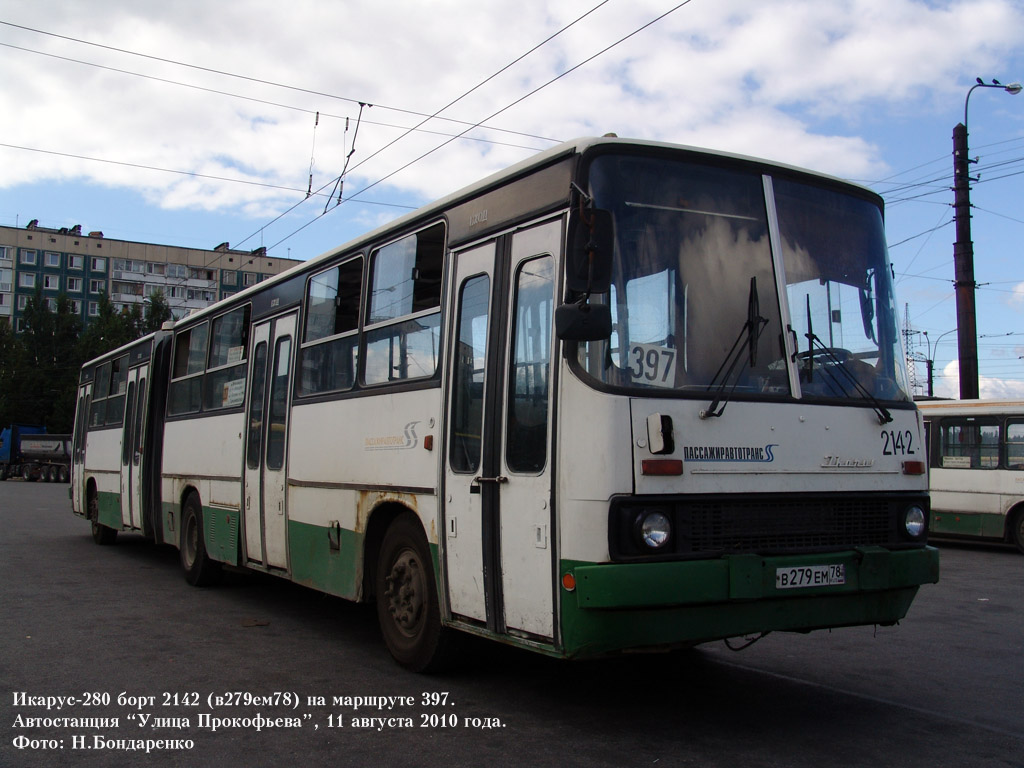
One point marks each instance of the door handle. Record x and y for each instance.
(498, 480)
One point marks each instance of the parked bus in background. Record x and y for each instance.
(976, 470)
(620, 396)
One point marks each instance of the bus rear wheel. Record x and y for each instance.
(200, 570)
(407, 604)
(1017, 529)
(101, 534)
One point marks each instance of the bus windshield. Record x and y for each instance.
(695, 298)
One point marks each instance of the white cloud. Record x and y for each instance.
(1017, 297)
(989, 388)
(763, 79)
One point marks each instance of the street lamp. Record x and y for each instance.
(930, 359)
(963, 251)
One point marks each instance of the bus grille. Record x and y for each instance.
(785, 525)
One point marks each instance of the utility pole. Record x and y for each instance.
(963, 268)
(963, 251)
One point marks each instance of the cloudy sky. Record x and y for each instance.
(194, 123)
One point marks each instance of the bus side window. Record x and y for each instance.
(187, 371)
(330, 349)
(224, 385)
(98, 409)
(968, 443)
(118, 388)
(1015, 445)
(404, 314)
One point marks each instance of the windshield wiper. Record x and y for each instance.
(749, 334)
(838, 364)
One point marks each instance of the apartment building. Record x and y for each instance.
(84, 266)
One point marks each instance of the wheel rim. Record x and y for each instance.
(406, 593)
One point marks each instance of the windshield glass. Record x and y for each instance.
(694, 300)
(839, 288)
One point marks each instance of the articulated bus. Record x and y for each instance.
(976, 468)
(621, 396)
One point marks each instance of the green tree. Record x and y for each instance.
(108, 330)
(158, 312)
(48, 370)
(11, 363)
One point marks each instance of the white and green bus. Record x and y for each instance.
(620, 396)
(976, 469)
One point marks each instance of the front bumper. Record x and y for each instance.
(621, 606)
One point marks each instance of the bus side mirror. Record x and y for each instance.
(583, 322)
(589, 258)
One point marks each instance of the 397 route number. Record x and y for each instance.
(652, 365)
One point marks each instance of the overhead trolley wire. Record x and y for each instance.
(338, 181)
(495, 114)
(253, 99)
(247, 78)
(192, 174)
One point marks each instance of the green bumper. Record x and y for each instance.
(620, 606)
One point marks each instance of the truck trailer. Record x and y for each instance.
(30, 453)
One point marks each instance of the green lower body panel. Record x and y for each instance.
(328, 559)
(967, 524)
(109, 510)
(169, 523)
(622, 606)
(220, 528)
(220, 531)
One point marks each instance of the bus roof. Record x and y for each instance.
(523, 168)
(970, 407)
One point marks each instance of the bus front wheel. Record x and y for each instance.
(406, 592)
(1017, 529)
(200, 570)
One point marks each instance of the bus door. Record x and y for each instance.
(131, 448)
(499, 544)
(78, 448)
(270, 375)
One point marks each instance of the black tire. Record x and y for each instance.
(26, 474)
(406, 593)
(101, 534)
(63, 474)
(200, 570)
(3, 472)
(1017, 529)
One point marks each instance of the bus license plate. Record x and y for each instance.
(810, 576)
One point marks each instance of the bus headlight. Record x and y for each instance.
(914, 521)
(653, 529)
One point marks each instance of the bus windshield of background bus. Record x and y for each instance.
(692, 255)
